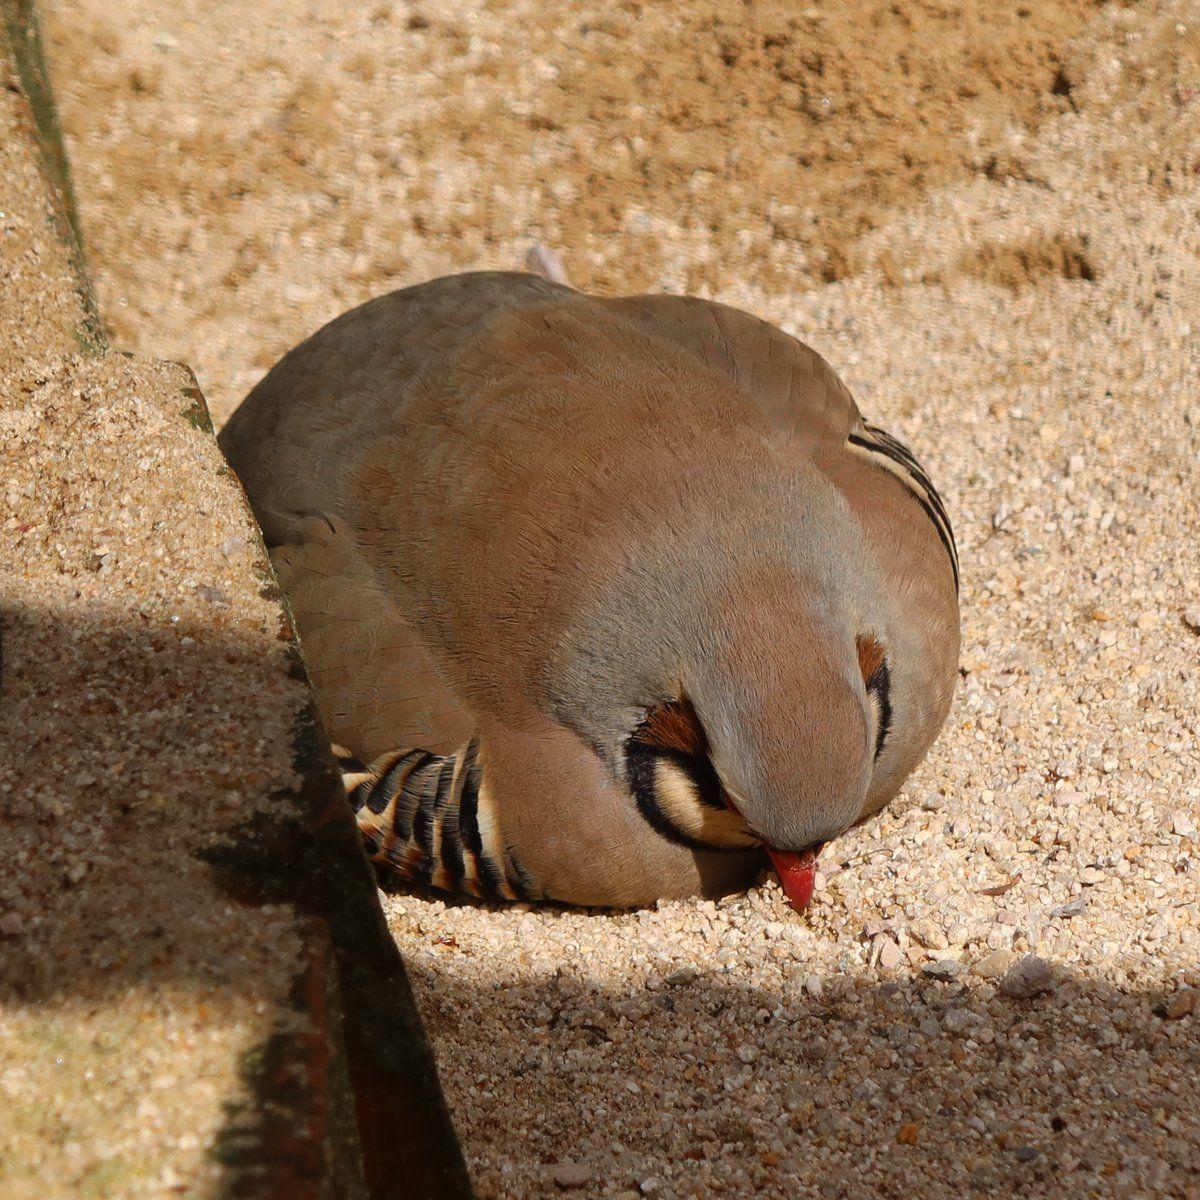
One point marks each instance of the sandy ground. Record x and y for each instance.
(252, 170)
(991, 229)
(140, 663)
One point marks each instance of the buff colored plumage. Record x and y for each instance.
(610, 594)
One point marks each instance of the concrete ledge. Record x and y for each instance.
(39, 121)
(198, 993)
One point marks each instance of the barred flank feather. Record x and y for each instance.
(429, 818)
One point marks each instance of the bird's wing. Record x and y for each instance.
(795, 388)
(297, 443)
(377, 686)
(300, 433)
(802, 397)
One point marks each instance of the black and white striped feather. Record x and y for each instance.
(892, 455)
(429, 818)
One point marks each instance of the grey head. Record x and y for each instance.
(736, 674)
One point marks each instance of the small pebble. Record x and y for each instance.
(956, 1020)
(1181, 1004)
(943, 968)
(571, 1175)
(890, 955)
(992, 965)
(1183, 825)
(928, 934)
(683, 976)
(1028, 976)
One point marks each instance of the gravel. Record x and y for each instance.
(1029, 324)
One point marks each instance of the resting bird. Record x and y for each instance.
(603, 598)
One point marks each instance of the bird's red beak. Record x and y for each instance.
(797, 873)
(797, 870)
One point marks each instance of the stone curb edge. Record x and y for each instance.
(367, 1118)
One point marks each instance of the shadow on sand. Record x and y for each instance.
(865, 1090)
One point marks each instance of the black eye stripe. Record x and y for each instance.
(641, 762)
(879, 686)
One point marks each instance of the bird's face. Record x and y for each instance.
(770, 741)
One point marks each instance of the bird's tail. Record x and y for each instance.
(430, 819)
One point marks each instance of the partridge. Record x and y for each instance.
(603, 598)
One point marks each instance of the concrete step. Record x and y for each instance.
(198, 994)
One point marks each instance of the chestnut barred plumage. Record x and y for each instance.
(427, 818)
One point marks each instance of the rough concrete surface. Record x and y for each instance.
(158, 990)
(993, 231)
(171, 1008)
